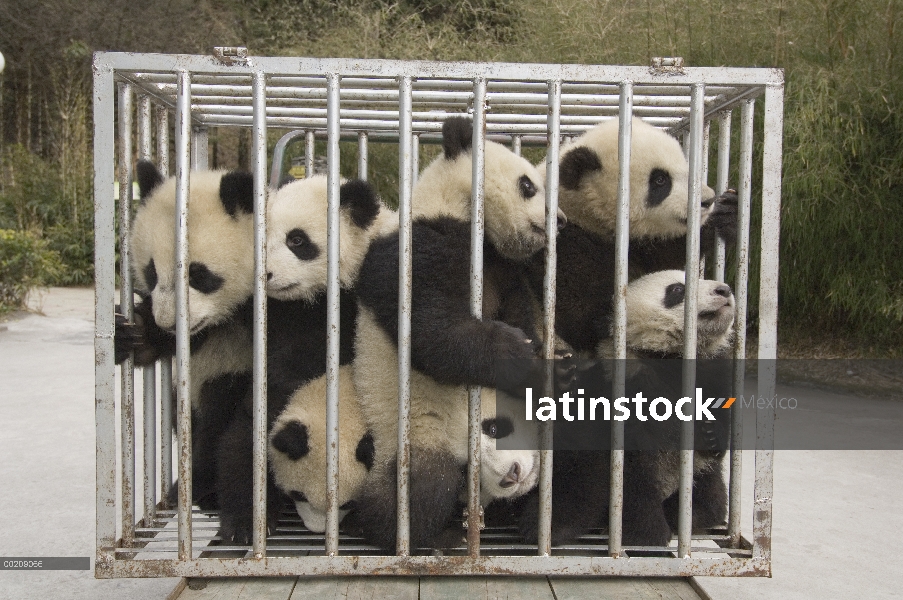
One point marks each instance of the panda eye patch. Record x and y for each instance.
(297, 496)
(150, 275)
(203, 279)
(498, 428)
(674, 295)
(527, 188)
(299, 243)
(659, 187)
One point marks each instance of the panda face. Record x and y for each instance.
(655, 314)
(297, 450)
(514, 195)
(296, 236)
(659, 177)
(220, 245)
(508, 473)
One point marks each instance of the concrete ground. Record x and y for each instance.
(837, 517)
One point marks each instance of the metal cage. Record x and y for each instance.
(404, 102)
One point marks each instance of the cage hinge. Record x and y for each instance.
(466, 516)
(231, 55)
(667, 65)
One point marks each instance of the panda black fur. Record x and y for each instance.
(297, 449)
(580, 479)
(296, 320)
(449, 347)
(220, 235)
(658, 216)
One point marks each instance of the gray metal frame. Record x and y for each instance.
(406, 102)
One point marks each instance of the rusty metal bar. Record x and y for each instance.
(694, 200)
(619, 304)
(259, 429)
(104, 320)
(415, 157)
(544, 538)
(741, 294)
(768, 318)
(309, 149)
(332, 316)
(405, 273)
(474, 510)
(277, 173)
(161, 116)
(127, 373)
(149, 373)
(362, 156)
(516, 144)
(724, 163)
(183, 345)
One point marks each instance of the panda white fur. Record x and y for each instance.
(449, 347)
(655, 326)
(296, 319)
(297, 449)
(588, 194)
(220, 238)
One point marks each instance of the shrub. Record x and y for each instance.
(26, 262)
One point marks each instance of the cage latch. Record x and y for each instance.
(231, 55)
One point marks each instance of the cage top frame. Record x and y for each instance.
(516, 98)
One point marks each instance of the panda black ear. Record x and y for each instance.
(457, 136)
(292, 440)
(358, 197)
(149, 177)
(236, 190)
(365, 450)
(575, 165)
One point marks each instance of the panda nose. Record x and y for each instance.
(723, 290)
(269, 276)
(512, 477)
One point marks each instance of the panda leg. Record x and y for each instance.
(709, 502)
(643, 517)
(235, 482)
(435, 481)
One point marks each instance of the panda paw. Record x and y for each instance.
(723, 219)
(515, 354)
(127, 337)
(140, 338)
(239, 529)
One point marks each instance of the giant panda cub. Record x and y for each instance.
(297, 449)
(588, 193)
(296, 320)
(220, 238)
(449, 347)
(580, 482)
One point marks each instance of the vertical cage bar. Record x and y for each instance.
(161, 116)
(104, 320)
(309, 149)
(685, 492)
(259, 432)
(149, 373)
(474, 510)
(741, 295)
(768, 318)
(706, 131)
(724, 163)
(415, 157)
(516, 143)
(362, 156)
(405, 257)
(553, 127)
(183, 348)
(332, 315)
(199, 148)
(127, 373)
(622, 243)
